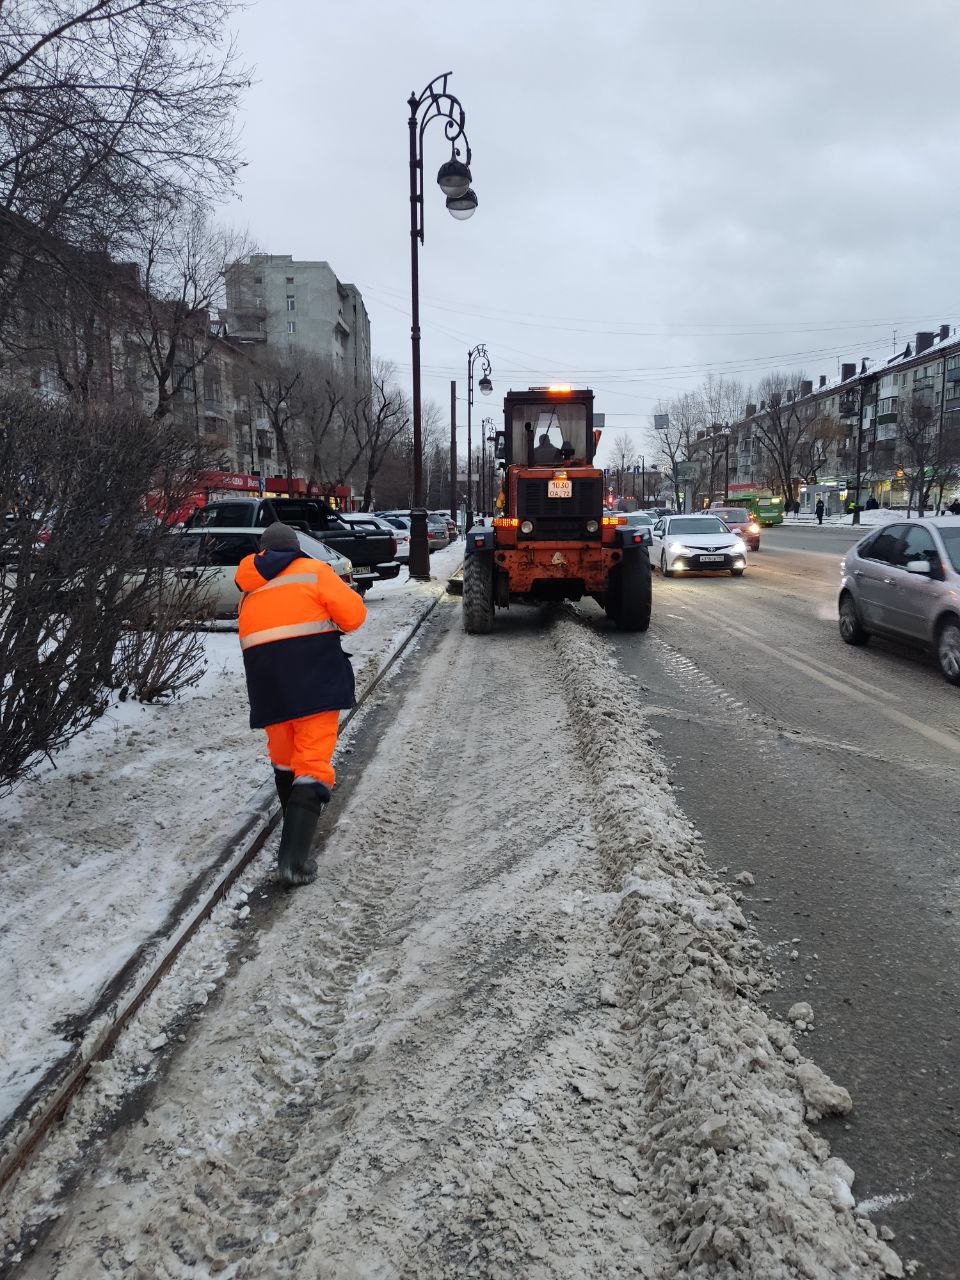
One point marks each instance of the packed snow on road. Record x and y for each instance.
(514, 1029)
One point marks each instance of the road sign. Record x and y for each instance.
(661, 422)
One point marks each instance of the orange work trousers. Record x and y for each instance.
(305, 745)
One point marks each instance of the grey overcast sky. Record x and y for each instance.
(666, 187)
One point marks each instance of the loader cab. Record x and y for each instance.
(546, 426)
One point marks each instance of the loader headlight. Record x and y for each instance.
(527, 526)
(592, 526)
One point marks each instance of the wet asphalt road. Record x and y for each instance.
(833, 775)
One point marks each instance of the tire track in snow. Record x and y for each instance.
(415, 1077)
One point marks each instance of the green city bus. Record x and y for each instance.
(767, 510)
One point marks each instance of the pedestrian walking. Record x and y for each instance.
(819, 509)
(291, 616)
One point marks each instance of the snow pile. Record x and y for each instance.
(738, 1180)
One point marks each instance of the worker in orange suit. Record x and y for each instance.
(292, 614)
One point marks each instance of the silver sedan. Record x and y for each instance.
(213, 556)
(903, 581)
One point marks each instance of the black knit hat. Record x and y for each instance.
(279, 537)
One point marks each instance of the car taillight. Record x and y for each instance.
(393, 546)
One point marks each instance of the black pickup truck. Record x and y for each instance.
(368, 549)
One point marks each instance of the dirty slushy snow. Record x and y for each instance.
(513, 1029)
(98, 847)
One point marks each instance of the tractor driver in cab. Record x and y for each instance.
(546, 453)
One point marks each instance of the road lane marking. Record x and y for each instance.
(771, 733)
(867, 687)
(948, 741)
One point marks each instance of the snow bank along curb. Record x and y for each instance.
(737, 1179)
(48, 1100)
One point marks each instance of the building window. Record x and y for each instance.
(289, 279)
(291, 303)
(258, 279)
(291, 326)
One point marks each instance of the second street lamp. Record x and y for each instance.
(435, 102)
(479, 352)
(485, 485)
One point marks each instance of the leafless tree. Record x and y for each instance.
(377, 417)
(928, 456)
(817, 448)
(277, 385)
(622, 459)
(670, 449)
(321, 399)
(780, 428)
(105, 105)
(180, 258)
(76, 558)
(721, 400)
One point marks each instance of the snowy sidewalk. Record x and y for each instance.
(513, 1030)
(100, 845)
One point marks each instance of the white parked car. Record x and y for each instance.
(399, 530)
(683, 544)
(213, 556)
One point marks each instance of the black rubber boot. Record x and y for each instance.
(284, 780)
(294, 864)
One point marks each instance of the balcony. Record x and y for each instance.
(214, 408)
(884, 419)
(953, 375)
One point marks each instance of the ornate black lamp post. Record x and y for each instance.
(435, 102)
(479, 352)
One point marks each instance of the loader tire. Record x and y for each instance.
(635, 592)
(478, 595)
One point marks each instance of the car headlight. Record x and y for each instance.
(592, 526)
(739, 546)
(527, 526)
(347, 565)
(753, 527)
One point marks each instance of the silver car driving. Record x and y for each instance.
(904, 581)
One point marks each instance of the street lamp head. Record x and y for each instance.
(485, 385)
(463, 206)
(454, 178)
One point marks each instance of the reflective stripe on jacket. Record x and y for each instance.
(291, 616)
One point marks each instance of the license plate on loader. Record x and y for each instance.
(559, 488)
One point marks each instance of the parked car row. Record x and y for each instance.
(210, 557)
(441, 530)
(371, 550)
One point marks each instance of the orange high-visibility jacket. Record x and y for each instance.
(291, 617)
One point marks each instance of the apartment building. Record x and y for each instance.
(860, 407)
(295, 309)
